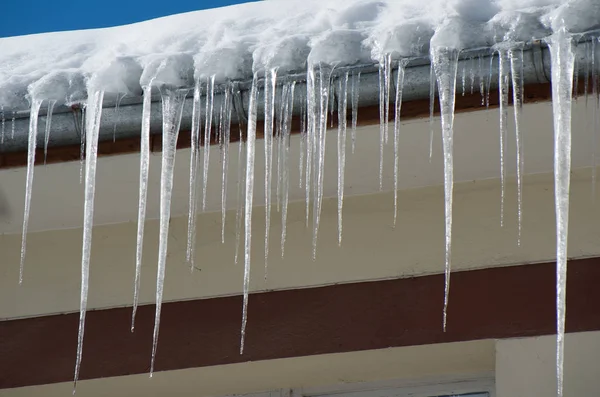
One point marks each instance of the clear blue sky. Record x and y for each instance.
(20, 17)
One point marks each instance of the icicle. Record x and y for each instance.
(311, 111)
(143, 193)
(248, 197)
(32, 141)
(398, 108)
(516, 71)
(595, 119)
(47, 131)
(91, 156)
(3, 123)
(172, 108)
(194, 165)
(241, 177)
(117, 115)
(321, 138)
(481, 80)
(472, 74)
(562, 57)
(82, 146)
(287, 126)
(270, 82)
(226, 131)
(463, 79)
(503, 85)
(384, 109)
(302, 141)
(210, 99)
(341, 146)
(432, 83)
(355, 97)
(445, 61)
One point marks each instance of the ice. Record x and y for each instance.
(94, 114)
(503, 84)
(563, 59)
(398, 108)
(51, 104)
(143, 194)
(432, 84)
(210, 102)
(341, 146)
(32, 140)
(248, 198)
(172, 108)
(288, 103)
(225, 128)
(516, 70)
(445, 61)
(270, 83)
(194, 164)
(355, 98)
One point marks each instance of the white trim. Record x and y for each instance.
(426, 387)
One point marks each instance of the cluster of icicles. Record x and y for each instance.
(317, 108)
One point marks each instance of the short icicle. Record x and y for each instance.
(562, 58)
(48, 126)
(398, 108)
(503, 84)
(194, 165)
(143, 194)
(445, 61)
(341, 147)
(94, 114)
(248, 198)
(516, 71)
(270, 83)
(31, 145)
(172, 108)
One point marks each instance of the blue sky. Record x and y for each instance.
(39, 16)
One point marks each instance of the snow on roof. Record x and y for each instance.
(232, 42)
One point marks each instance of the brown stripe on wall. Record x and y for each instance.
(503, 302)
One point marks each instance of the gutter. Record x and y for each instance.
(126, 123)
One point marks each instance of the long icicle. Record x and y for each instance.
(248, 198)
(172, 107)
(210, 100)
(355, 97)
(563, 58)
(270, 82)
(503, 85)
(398, 108)
(321, 139)
(32, 142)
(194, 165)
(445, 62)
(226, 132)
(287, 126)
(91, 156)
(516, 71)
(341, 147)
(240, 194)
(143, 194)
(48, 126)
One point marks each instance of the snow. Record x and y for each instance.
(267, 42)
